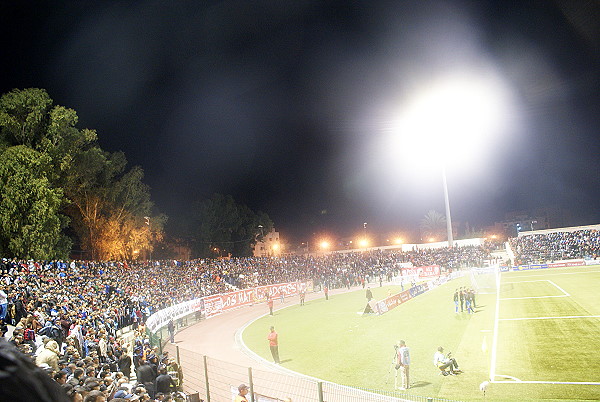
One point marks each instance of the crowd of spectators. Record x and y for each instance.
(67, 314)
(555, 246)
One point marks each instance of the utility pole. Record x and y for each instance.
(147, 221)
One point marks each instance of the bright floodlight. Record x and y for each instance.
(452, 118)
(324, 244)
(363, 243)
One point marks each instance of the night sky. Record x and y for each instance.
(286, 105)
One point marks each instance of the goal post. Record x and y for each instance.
(485, 280)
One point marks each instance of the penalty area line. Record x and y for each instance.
(547, 382)
(533, 297)
(549, 318)
(558, 287)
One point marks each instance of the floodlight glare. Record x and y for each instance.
(452, 118)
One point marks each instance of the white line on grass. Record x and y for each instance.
(532, 297)
(495, 339)
(549, 318)
(559, 288)
(558, 273)
(565, 294)
(547, 382)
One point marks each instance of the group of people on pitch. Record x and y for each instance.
(445, 362)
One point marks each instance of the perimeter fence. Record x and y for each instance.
(214, 380)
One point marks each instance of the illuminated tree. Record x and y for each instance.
(106, 203)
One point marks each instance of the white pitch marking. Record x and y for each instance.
(547, 382)
(532, 297)
(559, 288)
(557, 273)
(495, 337)
(549, 318)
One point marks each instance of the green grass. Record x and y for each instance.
(330, 341)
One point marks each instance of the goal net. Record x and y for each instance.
(485, 280)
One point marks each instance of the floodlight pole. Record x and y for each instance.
(447, 201)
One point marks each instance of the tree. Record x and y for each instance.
(433, 225)
(24, 116)
(222, 227)
(30, 222)
(106, 203)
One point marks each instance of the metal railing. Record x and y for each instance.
(215, 380)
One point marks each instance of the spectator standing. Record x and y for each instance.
(404, 362)
(171, 329)
(164, 382)
(274, 345)
(242, 392)
(145, 373)
(270, 304)
(124, 363)
(3, 304)
(456, 301)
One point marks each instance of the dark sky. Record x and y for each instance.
(285, 104)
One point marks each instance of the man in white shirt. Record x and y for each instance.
(3, 304)
(444, 362)
(404, 364)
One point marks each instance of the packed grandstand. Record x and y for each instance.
(67, 316)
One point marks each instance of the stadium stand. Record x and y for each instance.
(556, 245)
(86, 319)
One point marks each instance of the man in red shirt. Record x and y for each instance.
(274, 345)
(270, 304)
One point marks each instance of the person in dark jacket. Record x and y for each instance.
(164, 382)
(124, 364)
(145, 373)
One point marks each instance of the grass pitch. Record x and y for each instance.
(537, 338)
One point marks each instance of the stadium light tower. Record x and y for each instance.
(447, 205)
(450, 121)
